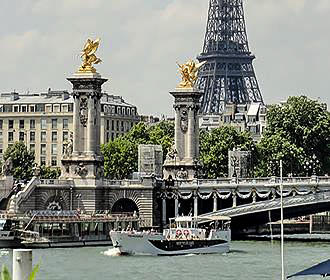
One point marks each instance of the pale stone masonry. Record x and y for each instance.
(182, 161)
(44, 122)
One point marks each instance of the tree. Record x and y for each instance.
(214, 147)
(22, 160)
(297, 132)
(47, 172)
(121, 155)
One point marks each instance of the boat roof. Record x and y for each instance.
(186, 219)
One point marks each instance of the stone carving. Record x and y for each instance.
(182, 174)
(7, 167)
(68, 146)
(189, 73)
(172, 153)
(36, 170)
(100, 171)
(184, 120)
(88, 56)
(54, 206)
(83, 111)
(81, 170)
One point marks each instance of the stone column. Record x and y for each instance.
(196, 205)
(164, 211)
(176, 207)
(177, 137)
(234, 199)
(215, 202)
(191, 135)
(91, 127)
(76, 124)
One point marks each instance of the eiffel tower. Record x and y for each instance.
(228, 76)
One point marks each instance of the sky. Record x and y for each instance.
(141, 40)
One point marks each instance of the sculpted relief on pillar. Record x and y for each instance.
(184, 120)
(83, 114)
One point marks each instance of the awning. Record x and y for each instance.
(322, 269)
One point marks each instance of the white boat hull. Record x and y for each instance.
(156, 244)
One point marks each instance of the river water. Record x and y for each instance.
(247, 260)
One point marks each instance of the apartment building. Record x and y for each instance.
(44, 121)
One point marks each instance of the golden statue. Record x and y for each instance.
(189, 73)
(88, 56)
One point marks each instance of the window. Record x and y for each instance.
(42, 160)
(1, 137)
(54, 123)
(108, 136)
(1, 124)
(54, 161)
(108, 124)
(65, 108)
(112, 125)
(40, 107)
(65, 123)
(43, 136)
(56, 108)
(32, 148)
(54, 149)
(117, 125)
(15, 109)
(32, 136)
(23, 108)
(43, 124)
(7, 108)
(11, 124)
(65, 136)
(10, 136)
(1, 150)
(43, 149)
(21, 136)
(122, 126)
(54, 136)
(21, 124)
(32, 109)
(32, 124)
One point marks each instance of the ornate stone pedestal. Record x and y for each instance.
(182, 161)
(82, 157)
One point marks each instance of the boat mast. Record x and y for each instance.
(282, 227)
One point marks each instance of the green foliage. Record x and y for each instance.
(296, 132)
(22, 160)
(214, 147)
(47, 172)
(121, 155)
(5, 275)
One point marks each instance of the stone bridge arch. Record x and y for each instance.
(53, 198)
(122, 195)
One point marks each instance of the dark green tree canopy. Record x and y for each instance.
(22, 159)
(121, 155)
(298, 132)
(214, 147)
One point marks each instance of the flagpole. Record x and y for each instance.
(282, 226)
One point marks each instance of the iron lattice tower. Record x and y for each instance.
(228, 76)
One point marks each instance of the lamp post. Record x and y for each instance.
(78, 196)
(71, 191)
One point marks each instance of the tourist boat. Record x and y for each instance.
(59, 229)
(8, 236)
(183, 237)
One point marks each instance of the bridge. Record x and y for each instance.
(248, 202)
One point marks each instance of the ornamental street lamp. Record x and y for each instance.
(78, 196)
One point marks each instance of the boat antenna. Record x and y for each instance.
(282, 227)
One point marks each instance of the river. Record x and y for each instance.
(247, 260)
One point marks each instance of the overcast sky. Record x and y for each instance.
(142, 39)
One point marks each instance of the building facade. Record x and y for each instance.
(243, 117)
(44, 122)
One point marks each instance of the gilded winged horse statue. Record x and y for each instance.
(88, 56)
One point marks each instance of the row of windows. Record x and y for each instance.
(32, 108)
(43, 124)
(32, 136)
(128, 111)
(119, 125)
